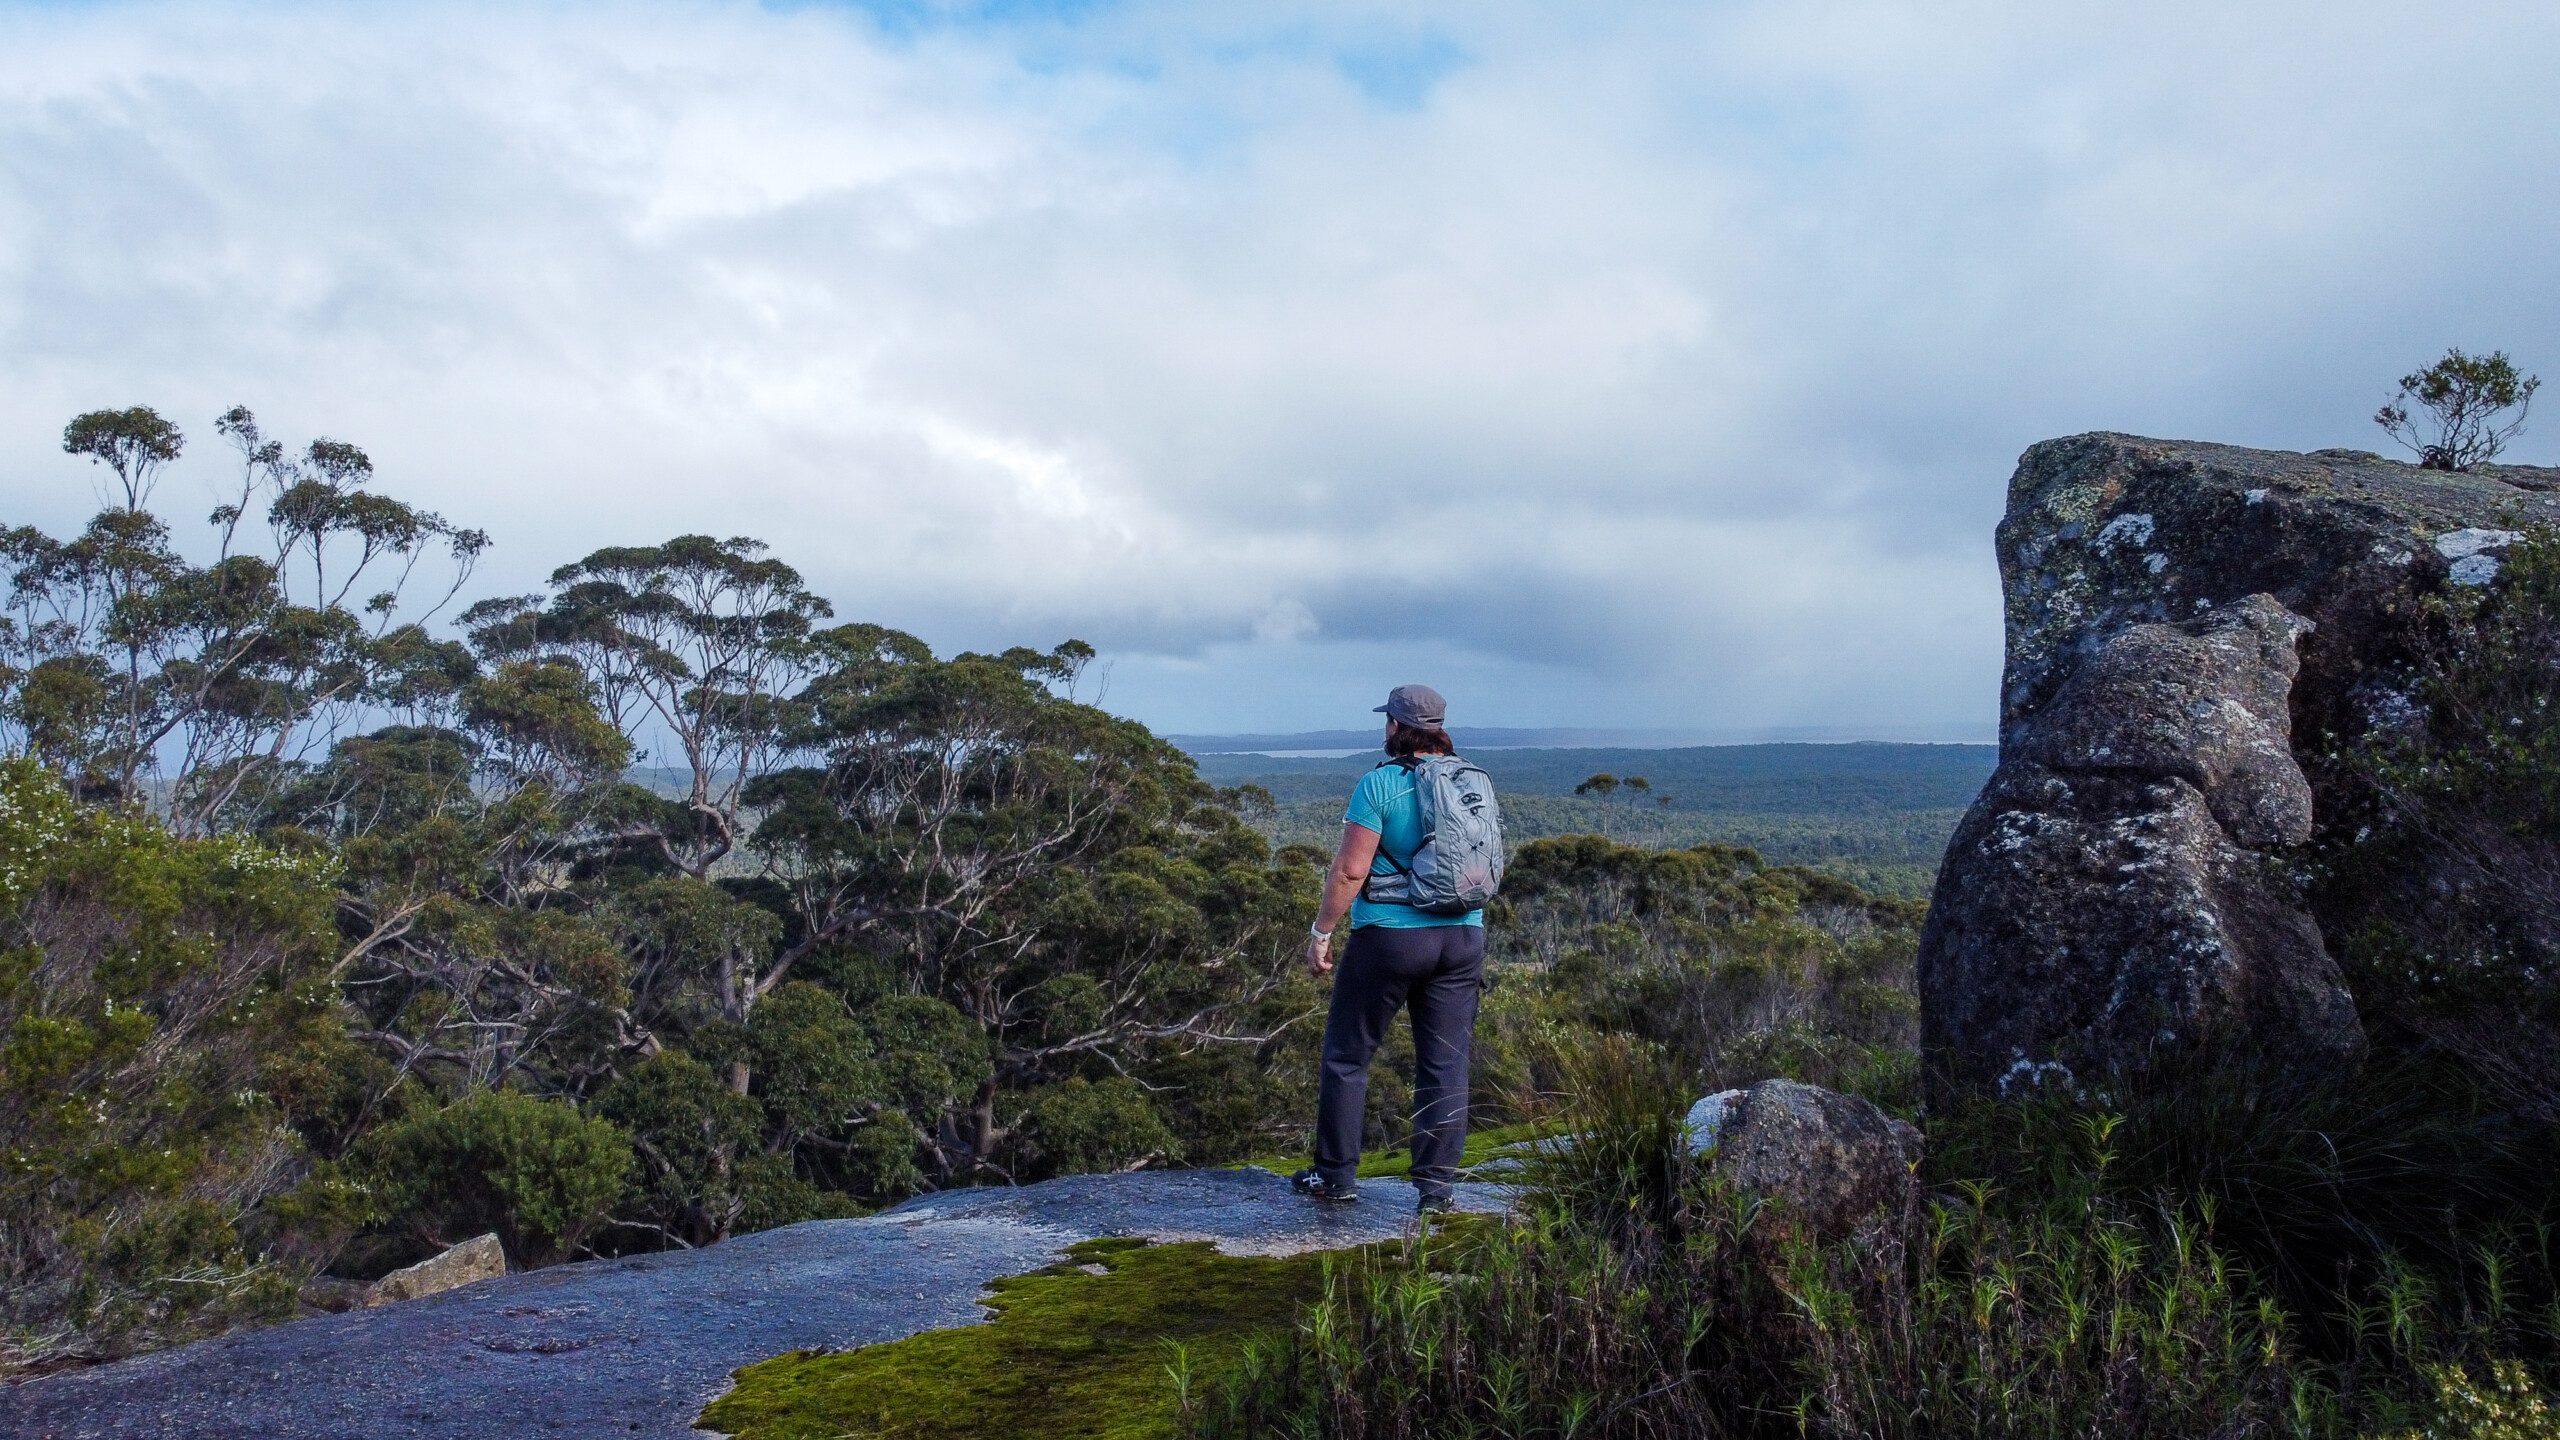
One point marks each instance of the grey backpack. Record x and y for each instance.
(1459, 865)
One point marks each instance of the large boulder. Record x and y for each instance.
(2192, 630)
(1829, 1161)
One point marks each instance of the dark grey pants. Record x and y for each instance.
(1437, 974)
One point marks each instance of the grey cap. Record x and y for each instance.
(1419, 706)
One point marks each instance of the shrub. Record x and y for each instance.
(1085, 1125)
(1737, 972)
(540, 1174)
(2507, 1406)
(1638, 1296)
(152, 992)
(2465, 399)
(697, 1140)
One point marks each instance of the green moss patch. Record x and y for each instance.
(1086, 1348)
(1500, 1142)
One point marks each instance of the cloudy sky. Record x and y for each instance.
(1625, 365)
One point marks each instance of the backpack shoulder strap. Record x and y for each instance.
(1410, 765)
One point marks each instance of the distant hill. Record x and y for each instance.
(1878, 813)
(1479, 737)
(1492, 737)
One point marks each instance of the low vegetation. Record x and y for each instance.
(2052, 1285)
(1104, 1345)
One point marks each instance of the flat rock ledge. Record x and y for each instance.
(637, 1346)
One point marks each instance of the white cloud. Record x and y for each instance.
(1655, 366)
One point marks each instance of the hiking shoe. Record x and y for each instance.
(1314, 1186)
(1430, 1205)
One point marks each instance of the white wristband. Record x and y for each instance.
(1315, 934)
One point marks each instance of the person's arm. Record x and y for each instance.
(1342, 882)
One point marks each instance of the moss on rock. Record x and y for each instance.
(1088, 1347)
(1502, 1142)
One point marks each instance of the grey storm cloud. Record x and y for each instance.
(1648, 365)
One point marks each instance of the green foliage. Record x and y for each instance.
(133, 443)
(1070, 1354)
(932, 1057)
(1079, 1125)
(2444, 881)
(2043, 1291)
(2508, 1405)
(706, 639)
(542, 720)
(2465, 399)
(151, 988)
(535, 1171)
(118, 653)
(1738, 971)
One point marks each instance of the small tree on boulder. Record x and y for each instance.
(2465, 399)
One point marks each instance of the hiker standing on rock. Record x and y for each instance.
(1421, 853)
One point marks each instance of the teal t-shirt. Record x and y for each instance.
(1384, 801)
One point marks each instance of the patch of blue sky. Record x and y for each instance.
(1777, 133)
(908, 18)
(1401, 74)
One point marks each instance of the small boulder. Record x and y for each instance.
(479, 1258)
(1830, 1161)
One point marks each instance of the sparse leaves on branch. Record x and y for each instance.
(2462, 401)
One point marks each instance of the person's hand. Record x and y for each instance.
(1319, 954)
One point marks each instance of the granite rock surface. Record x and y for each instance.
(2191, 630)
(637, 1346)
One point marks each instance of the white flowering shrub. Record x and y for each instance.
(156, 995)
(2506, 1405)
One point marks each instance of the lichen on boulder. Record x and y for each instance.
(478, 1258)
(2191, 629)
(1826, 1162)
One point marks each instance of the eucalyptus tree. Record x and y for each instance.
(124, 663)
(697, 641)
(1056, 874)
